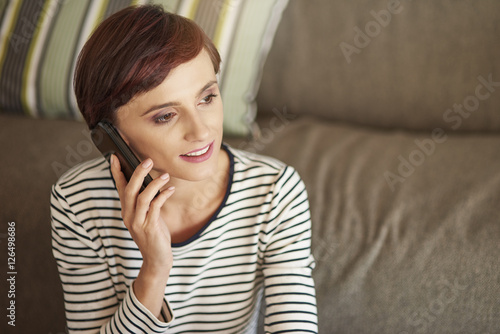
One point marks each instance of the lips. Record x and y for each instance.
(199, 155)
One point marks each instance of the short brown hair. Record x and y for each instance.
(132, 52)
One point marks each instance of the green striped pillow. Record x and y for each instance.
(40, 41)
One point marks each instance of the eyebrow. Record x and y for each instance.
(168, 104)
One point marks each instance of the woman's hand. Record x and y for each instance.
(141, 216)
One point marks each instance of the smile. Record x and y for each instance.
(199, 155)
(199, 152)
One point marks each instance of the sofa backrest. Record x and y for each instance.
(388, 63)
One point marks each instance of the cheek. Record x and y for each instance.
(148, 144)
(217, 117)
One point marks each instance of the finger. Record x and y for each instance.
(147, 197)
(117, 174)
(135, 183)
(155, 208)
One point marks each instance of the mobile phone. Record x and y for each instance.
(107, 139)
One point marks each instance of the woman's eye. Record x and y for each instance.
(209, 98)
(164, 118)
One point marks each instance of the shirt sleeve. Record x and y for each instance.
(92, 303)
(288, 263)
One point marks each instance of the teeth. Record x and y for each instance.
(198, 153)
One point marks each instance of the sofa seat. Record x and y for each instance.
(416, 255)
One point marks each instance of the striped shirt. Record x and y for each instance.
(256, 244)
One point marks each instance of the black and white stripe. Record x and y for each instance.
(259, 240)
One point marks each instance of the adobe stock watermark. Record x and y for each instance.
(324, 250)
(11, 273)
(221, 5)
(76, 155)
(281, 118)
(372, 29)
(446, 293)
(30, 24)
(454, 116)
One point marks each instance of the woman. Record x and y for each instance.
(225, 226)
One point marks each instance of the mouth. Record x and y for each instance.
(199, 155)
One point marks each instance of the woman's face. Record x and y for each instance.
(178, 124)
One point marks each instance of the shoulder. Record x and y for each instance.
(255, 163)
(273, 188)
(260, 169)
(84, 180)
(85, 173)
(81, 170)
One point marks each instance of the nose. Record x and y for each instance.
(195, 127)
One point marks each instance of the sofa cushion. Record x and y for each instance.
(40, 41)
(405, 225)
(388, 63)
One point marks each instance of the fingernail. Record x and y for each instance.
(164, 176)
(147, 163)
(114, 161)
(171, 188)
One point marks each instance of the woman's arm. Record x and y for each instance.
(141, 216)
(288, 285)
(92, 300)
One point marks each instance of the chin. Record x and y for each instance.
(199, 171)
(197, 174)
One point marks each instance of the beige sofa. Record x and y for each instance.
(390, 111)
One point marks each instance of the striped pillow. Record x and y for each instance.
(40, 41)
